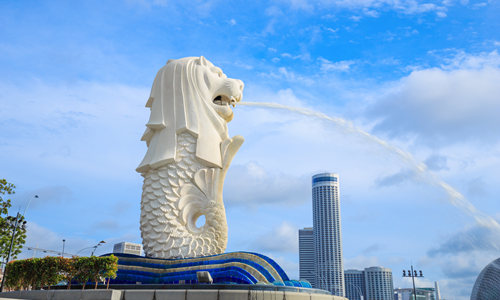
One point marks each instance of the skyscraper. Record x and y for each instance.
(355, 284)
(306, 255)
(379, 284)
(329, 267)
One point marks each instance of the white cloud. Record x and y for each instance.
(361, 262)
(283, 238)
(373, 7)
(72, 127)
(41, 237)
(477, 238)
(332, 30)
(342, 66)
(251, 185)
(456, 103)
(286, 74)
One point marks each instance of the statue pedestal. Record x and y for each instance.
(169, 294)
(228, 268)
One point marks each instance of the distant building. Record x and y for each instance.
(128, 248)
(306, 255)
(437, 293)
(355, 284)
(422, 294)
(487, 284)
(329, 267)
(379, 285)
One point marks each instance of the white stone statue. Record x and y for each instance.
(189, 152)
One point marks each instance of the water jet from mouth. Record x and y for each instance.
(454, 197)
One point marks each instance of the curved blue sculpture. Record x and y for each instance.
(227, 268)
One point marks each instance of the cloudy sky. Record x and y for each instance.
(422, 75)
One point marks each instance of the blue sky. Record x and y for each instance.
(423, 75)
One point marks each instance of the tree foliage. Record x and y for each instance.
(47, 271)
(6, 227)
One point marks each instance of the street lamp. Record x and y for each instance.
(16, 222)
(62, 254)
(24, 212)
(95, 247)
(413, 273)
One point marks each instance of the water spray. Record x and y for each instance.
(455, 198)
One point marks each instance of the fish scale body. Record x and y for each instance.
(164, 229)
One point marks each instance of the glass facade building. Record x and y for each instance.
(329, 266)
(487, 286)
(379, 284)
(306, 255)
(355, 284)
(422, 294)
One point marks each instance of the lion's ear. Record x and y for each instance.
(203, 61)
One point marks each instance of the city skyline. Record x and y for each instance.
(420, 76)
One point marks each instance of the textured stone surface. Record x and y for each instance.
(140, 294)
(189, 152)
(65, 295)
(166, 295)
(170, 294)
(233, 295)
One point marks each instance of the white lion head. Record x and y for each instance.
(189, 94)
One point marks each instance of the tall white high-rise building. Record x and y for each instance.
(306, 255)
(329, 266)
(379, 284)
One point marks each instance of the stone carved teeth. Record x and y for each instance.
(223, 100)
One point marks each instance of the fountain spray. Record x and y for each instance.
(454, 197)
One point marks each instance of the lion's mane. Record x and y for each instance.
(177, 105)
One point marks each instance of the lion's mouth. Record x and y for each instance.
(224, 100)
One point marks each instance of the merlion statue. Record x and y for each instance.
(189, 152)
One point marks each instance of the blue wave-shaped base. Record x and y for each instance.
(227, 268)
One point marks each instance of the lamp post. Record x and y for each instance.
(413, 273)
(62, 254)
(16, 222)
(95, 247)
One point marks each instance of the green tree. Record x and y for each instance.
(6, 223)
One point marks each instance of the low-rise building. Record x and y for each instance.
(407, 294)
(128, 248)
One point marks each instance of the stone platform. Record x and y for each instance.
(180, 292)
